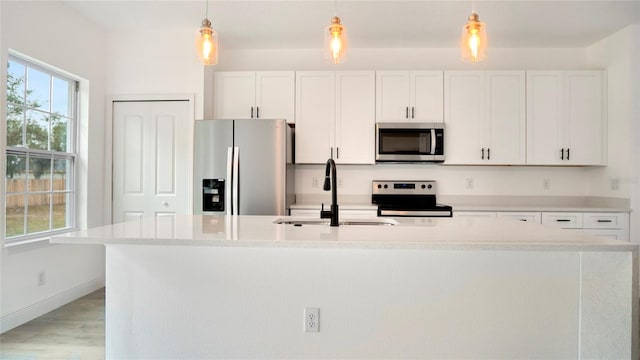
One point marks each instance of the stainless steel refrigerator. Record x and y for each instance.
(243, 167)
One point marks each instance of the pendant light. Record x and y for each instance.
(474, 39)
(335, 39)
(207, 41)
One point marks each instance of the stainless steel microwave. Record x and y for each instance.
(409, 142)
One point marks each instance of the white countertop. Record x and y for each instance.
(260, 231)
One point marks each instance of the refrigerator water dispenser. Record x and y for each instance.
(213, 195)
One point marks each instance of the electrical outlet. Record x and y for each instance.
(470, 183)
(311, 319)
(316, 183)
(546, 184)
(615, 184)
(41, 278)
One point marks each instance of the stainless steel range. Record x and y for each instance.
(408, 199)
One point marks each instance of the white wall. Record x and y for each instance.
(619, 54)
(158, 62)
(55, 35)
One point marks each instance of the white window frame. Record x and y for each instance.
(72, 141)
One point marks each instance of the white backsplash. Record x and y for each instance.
(455, 180)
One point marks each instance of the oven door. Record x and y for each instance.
(409, 142)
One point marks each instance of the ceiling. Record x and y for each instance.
(372, 23)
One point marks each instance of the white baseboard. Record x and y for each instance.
(44, 306)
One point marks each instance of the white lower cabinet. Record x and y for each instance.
(563, 220)
(475, 214)
(527, 216)
(611, 225)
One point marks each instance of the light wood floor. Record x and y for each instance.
(74, 331)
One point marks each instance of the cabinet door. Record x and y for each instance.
(505, 111)
(275, 95)
(466, 129)
(475, 214)
(392, 96)
(527, 216)
(354, 120)
(545, 112)
(584, 130)
(427, 96)
(315, 114)
(234, 94)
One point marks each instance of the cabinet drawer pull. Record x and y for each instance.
(522, 219)
(563, 220)
(604, 221)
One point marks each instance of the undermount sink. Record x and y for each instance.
(346, 222)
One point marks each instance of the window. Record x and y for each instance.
(41, 114)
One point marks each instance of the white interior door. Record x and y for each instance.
(151, 159)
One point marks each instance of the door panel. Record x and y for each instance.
(151, 155)
(392, 96)
(261, 152)
(234, 94)
(427, 96)
(315, 114)
(355, 125)
(213, 138)
(275, 95)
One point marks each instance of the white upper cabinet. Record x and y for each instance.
(565, 120)
(335, 117)
(485, 117)
(409, 96)
(254, 95)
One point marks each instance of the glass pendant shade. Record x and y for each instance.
(207, 44)
(336, 41)
(474, 40)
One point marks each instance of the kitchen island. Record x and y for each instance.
(237, 287)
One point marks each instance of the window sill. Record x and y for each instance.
(33, 243)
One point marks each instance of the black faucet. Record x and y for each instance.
(333, 186)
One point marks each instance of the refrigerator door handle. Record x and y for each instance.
(227, 188)
(236, 181)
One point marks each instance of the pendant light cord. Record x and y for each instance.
(335, 8)
(206, 11)
(473, 6)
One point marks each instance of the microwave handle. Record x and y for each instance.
(433, 141)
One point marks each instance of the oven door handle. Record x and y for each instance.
(433, 142)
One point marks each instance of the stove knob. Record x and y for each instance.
(379, 186)
(429, 186)
(386, 186)
(424, 186)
